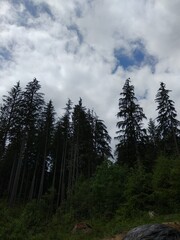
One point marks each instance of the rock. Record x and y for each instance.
(153, 232)
(82, 227)
(117, 237)
(175, 225)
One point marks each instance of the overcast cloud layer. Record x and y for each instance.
(88, 48)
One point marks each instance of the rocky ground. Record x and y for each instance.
(120, 236)
(117, 237)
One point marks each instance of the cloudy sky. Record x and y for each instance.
(88, 48)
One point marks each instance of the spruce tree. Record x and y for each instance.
(10, 131)
(45, 142)
(63, 165)
(130, 125)
(10, 115)
(151, 144)
(31, 110)
(168, 125)
(152, 132)
(102, 140)
(82, 141)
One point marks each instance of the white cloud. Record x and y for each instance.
(50, 49)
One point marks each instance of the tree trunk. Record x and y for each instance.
(18, 172)
(43, 170)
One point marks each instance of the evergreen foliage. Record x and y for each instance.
(40, 153)
(167, 127)
(138, 190)
(131, 133)
(64, 166)
(166, 185)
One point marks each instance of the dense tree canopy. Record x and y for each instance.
(40, 152)
(67, 160)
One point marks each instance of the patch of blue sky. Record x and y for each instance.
(144, 96)
(33, 9)
(138, 57)
(90, 2)
(76, 30)
(78, 11)
(5, 54)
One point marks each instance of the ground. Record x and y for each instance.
(120, 236)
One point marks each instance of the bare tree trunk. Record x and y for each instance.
(176, 144)
(43, 171)
(54, 173)
(74, 165)
(33, 181)
(70, 170)
(53, 181)
(18, 172)
(22, 181)
(12, 177)
(61, 176)
(77, 163)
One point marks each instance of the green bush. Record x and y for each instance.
(166, 184)
(137, 194)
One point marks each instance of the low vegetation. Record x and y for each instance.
(112, 201)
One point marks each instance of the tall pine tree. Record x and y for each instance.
(10, 132)
(168, 125)
(130, 125)
(30, 114)
(45, 142)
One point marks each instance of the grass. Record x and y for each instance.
(28, 222)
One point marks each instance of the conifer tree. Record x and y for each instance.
(45, 138)
(152, 132)
(63, 165)
(30, 114)
(10, 131)
(168, 125)
(79, 124)
(151, 145)
(130, 125)
(102, 140)
(10, 114)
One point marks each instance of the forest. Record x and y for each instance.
(60, 170)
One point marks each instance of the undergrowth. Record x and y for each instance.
(33, 222)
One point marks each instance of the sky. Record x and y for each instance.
(88, 48)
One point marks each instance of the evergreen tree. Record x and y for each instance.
(10, 115)
(152, 132)
(102, 140)
(10, 130)
(45, 142)
(151, 145)
(31, 114)
(57, 152)
(63, 166)
(130, 133)
(82, 141)
(167, 127)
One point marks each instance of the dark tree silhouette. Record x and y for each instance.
(130, 125)
(10, 134)
(32, 103)
(167, 127)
